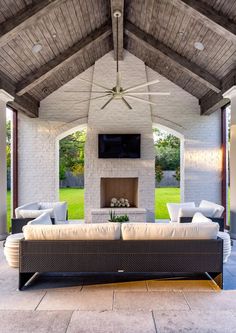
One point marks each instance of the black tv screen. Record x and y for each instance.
(119, 145)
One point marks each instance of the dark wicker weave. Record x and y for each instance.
(176, 256)
(219, 220)
(18, 223)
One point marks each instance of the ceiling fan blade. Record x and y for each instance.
(126, 103)
(141, 85)
(87, 91)
(151, 93)
(90, 99)
(170, 121)
(103, 107)
(140, 99)
(95, 84)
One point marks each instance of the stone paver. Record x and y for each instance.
(111, 322)
(204, 321)
(221, 300)
(100, 300)
(147, 301)
(34, 321)
(19, 300)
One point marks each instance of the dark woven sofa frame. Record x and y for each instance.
(154, 256)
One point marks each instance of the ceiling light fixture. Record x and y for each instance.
(199, 46)
(37, 48)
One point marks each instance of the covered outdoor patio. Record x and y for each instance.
(121, 68)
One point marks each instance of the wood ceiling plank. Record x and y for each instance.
(11, 28)
(46, 70)
(209, 17)
(74, 19)
(159, 48)
(118, 5)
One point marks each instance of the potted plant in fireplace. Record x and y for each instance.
(118, 218)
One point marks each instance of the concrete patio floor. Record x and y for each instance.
(81, 304)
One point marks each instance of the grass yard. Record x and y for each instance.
(75, 199)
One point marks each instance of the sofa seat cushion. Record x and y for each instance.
(34, 213)
(173, 209)
(152, 231)
(89, 231)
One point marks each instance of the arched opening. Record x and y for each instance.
(169, 169)
(70, 166)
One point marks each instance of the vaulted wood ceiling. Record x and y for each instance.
(76, 33)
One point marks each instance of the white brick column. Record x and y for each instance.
(231, 94)
(4, 98)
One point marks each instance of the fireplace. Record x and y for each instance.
(126, 188)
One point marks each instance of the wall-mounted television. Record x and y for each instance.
(119, 145)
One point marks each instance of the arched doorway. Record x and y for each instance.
(70, 167)
(169, 169)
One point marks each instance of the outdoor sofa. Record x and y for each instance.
(122, 248)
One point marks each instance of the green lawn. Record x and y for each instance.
(75, 199)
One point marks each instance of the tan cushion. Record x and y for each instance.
(138, 231)
(96, 231)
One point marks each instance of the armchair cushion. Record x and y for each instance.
(200, 218)
(32, 206)
(218, 208)
(173, 209)
(59, 208)
(189, 212)
(42, 219)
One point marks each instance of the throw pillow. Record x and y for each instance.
(199, 218)
(174, 208)
(42, 219)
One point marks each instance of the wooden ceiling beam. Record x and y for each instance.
(118, 5)
(212, 102)
(25, 18)
(158, 48)
(209, 17)
(26, 104)
(53, 65)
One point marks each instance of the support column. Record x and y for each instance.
(231, 94)
(4, 98)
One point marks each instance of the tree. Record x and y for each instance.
(72, 153)
(158, 173)
(167, 150)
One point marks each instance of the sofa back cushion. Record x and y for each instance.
(208, 204)
(173, 209)
(89, 231)
(42, 219)
(152, 231)
(59, 209)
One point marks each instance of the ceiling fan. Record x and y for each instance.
(118, 92)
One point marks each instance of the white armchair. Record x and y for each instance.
(56, 210)
(188, 209)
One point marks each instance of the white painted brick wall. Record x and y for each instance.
(38, 138)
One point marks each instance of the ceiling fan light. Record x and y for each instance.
(37, 48)
(199, 46)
